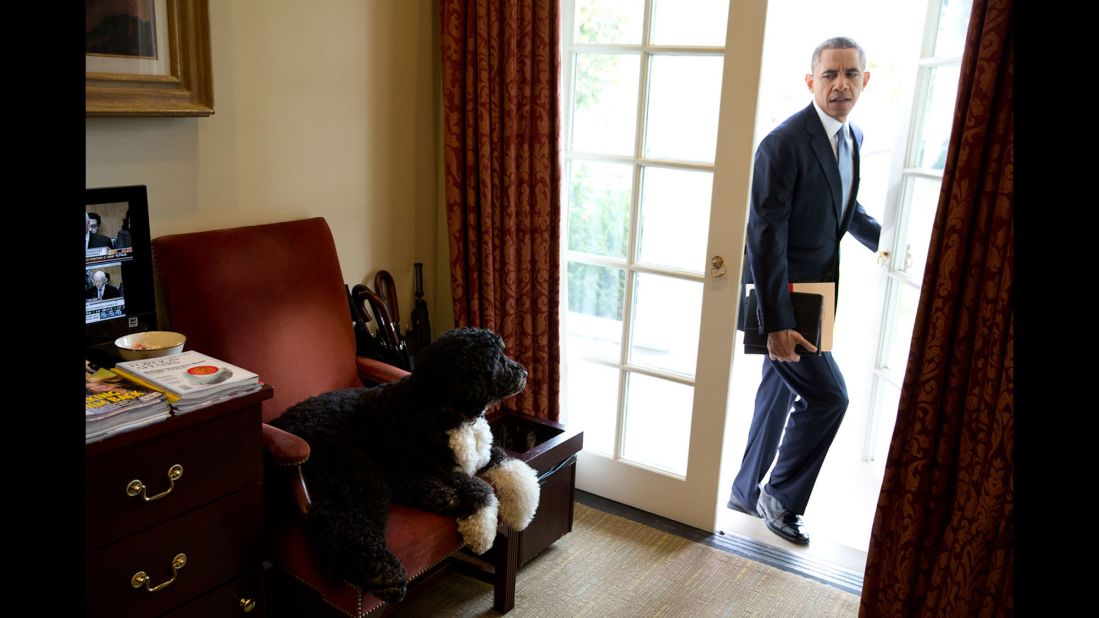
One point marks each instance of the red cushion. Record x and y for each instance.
(269, 298)
(419, 539)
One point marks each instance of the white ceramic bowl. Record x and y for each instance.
(150, 344)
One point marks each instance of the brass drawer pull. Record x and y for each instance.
(141, 579)
(136, 487)
(247, 604)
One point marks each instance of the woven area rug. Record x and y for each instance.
(611, 566)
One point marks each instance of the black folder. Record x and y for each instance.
(808, 311)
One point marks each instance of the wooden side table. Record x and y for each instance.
(174, 515)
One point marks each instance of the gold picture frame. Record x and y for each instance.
(146, 81)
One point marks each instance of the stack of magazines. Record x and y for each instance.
(191, 380)
(114, 404)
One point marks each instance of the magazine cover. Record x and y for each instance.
(187, 375)
(107, 393)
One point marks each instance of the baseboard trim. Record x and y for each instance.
(818, 570)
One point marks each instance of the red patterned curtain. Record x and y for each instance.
(943, 537)
(502, 178)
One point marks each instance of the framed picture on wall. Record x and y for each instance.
(147, 58)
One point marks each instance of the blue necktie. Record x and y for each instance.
(843, 153)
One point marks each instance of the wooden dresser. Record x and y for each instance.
(173, 518)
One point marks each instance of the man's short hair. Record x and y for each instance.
(95, 215)
(838, 42)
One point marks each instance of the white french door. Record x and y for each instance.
(916, 195)
(660, 100)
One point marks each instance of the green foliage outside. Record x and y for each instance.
(599, 208)
(605, 22)
(596, 290)
(599, 200)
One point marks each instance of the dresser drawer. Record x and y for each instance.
(217, 457)
(221, 542)
(239, 598)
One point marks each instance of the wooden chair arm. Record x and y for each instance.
(285, 448)
(289, 451)
(373, 372)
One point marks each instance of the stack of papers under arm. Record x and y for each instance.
(191, 380)
(814, 312)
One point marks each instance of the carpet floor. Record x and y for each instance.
(611, 566)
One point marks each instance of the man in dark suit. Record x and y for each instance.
(101, 289)
(92, 239)
(804, 188)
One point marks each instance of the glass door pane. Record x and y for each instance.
(922, 204)
(890, 397)
(953, 23)
(599, 207)
(605, 103)
(666, 316)
(675, 214)
(596, 303)
(684, 93)
(690, 22)
(593, 396)
(900, 337)
(938, 118)
(658, 423)
(608, 22)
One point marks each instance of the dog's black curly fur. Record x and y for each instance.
(371, 446)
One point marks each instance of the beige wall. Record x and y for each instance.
(321, 109)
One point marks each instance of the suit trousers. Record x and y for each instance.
(809, 399)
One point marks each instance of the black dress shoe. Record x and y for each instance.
(780, 521)
(789, 527)
(735, 505)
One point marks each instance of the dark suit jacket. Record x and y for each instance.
(794, 225)
(98, 240)
(109, 291)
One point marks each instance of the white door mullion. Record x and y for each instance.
(662, 374)
(923, 172)
(631, 244)
(677, 164)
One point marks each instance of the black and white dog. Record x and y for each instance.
(421, 441)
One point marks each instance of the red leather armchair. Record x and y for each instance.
(270, 298)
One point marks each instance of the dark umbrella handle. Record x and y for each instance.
(387, 289)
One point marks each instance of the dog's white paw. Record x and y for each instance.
(516, 485)
(479, 529)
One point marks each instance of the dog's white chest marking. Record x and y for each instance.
(472, 445)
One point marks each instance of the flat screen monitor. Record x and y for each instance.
(119, 298)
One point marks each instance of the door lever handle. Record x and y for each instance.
(717, 267)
